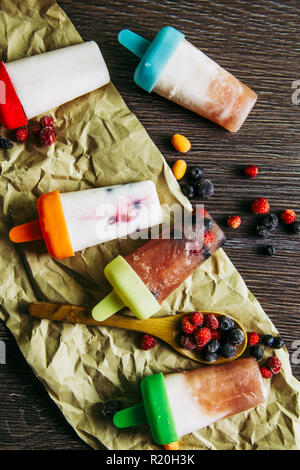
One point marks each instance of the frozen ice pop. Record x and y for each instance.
(70, 222)
(142, 279)
(181, 403)
(175, 69)
(36, 84)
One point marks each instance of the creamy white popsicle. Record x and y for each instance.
(70, 222)
(45, 81)
(101, 214)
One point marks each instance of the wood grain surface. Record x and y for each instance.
(258, 41)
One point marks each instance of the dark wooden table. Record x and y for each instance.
(259, 42)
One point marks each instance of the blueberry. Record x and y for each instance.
(213, 346)
(195, 173)
(227, 350)
(208, 224)
(110, 407)
(295, 227)
(269, 250)
(262, 231)
(210, 357)
(188, 190)
(226, 324)
(270, 221)
(235, 336)
(267, 340)
(205, 189)
(205, 252)
(278, 343)
(257, 352)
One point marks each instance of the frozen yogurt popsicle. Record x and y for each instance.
(175, 69)
(142, 279)
(70, 222)
(36, 84)
(181, 403)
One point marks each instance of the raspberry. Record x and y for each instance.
(274, 364)
(250, 171)
(186, 326)
(47, 136)
(215, 334)
(187, 342)
(234, 221)
(211, 322)
(47, 121)
(148, 342)
(196, 318)
(260, 206)
(21, 134)
(209, 238)
(288, 216)
(202, 336)
(253, 338)
(265, 372)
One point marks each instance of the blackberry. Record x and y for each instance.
(267, 340)
(278, 342)
(188, 190)
(205, 189)
(208, 224)
(270, 221)
(269, 250)
(5, 143)
(227, 350)
(213, 346)
(210, 356)
(257, 352)
(227, 324)
(235, 336)
(295, 228)
(110, 407)
(262, 231)
(195, 173)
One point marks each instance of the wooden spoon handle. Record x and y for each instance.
(76, 314)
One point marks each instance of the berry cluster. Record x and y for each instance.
(273, 364)
(203, 188)
(210, 335)
(45, 131)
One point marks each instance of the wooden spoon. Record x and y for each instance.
(166, 328)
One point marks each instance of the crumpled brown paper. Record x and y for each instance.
(100, 142)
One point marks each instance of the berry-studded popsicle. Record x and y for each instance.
(181, 403)
(36, 84)
(70, 222)
(175, 69)
(142, 279)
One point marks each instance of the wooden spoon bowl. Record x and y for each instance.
(167, 329)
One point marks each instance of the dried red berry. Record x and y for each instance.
(260, 206)
(187, 342)
(234, 221)
(196, 318)
(186, 326)
(265, 372)
(215, 334)
(209, 238)
(21, 134)
(47, 136)
(211, 322)
(250, 171)
(274, 364)
(202, 336)
(148, 342)
(288, 216)
(47, 121)
(253, 338)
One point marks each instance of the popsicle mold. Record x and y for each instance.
(36, 84)
(175, 69)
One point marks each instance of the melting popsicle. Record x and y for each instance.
(175, 69)
(181, 403)
(36, 84)
(142, 279)
(70, 222)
